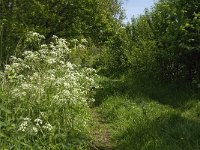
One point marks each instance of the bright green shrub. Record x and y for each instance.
(165, 41)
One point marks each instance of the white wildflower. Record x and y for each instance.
(38, 121)
(46, 78)
(43, 114)
(15, 65)
(23, 126)
(35, 130)
(48, 127)
(81, 46)
(51, 61)
(66, 85)
(34, 36)
(27, 119)
(84, 41)
(56, 98)
(26, 86)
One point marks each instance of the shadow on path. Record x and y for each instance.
(164, 93)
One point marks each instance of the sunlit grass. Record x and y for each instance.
(141, 117)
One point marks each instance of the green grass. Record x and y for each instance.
(145, 114)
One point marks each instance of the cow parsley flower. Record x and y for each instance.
(38, 121)
(45, 80)
(48, 127)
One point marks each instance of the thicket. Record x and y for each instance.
(98, 21)
(165, 41)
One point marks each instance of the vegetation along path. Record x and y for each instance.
(146, 116)
(53, 53)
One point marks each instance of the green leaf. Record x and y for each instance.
(2, 108)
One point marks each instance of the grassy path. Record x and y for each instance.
(101, 132)
(134, 117)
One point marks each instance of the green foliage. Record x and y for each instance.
(97, 20)
(113, 59)
(45, 99)
(141, 55)
(177, 50)
(165, 40)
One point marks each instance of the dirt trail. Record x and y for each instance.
(101, 133)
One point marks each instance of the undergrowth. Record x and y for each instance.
(45, 103)
(146, 114)
(45, 99)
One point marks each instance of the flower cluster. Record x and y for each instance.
(35, 126)
(49, 67)
(32, 37)
(79, 45)
(46, 80)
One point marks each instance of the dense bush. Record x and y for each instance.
(167, 37)
(45, 99)
(97, 20)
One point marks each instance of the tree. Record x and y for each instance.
(172, 30)
(177, 35)
(96, 19)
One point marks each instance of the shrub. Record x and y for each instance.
(45, 99)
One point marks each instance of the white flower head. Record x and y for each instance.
(35, 130)
(48, 127)
(84, 41)
(38, 121)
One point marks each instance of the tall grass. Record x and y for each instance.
(146, 114)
